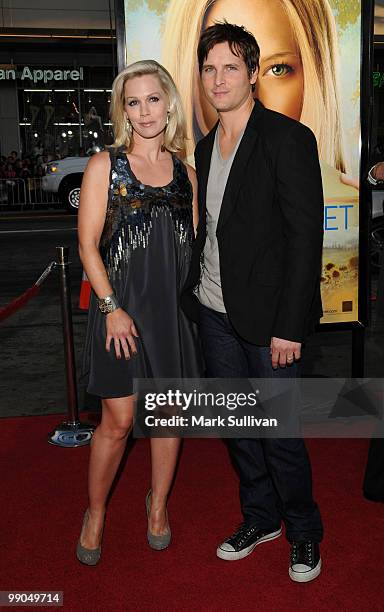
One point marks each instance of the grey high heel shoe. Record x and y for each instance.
(157, 542)
(88, 556)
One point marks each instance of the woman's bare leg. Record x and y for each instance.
(107, 448)
(164, 453)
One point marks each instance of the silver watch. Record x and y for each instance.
(108, 304)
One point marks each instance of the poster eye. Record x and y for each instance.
(281, 69)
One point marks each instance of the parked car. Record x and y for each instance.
(64, 176)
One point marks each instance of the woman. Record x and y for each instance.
(136, 216)
(298, 64)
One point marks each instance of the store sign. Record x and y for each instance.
(38, 75)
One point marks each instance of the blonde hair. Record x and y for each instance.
(175, 131)
(314, 28)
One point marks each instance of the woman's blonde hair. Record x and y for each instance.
(314, 28)
(175, 131)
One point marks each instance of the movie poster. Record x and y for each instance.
(309, 70)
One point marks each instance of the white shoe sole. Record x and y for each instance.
(235, 556)
(305, 576)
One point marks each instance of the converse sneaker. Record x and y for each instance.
(244, 541)
(305, 561)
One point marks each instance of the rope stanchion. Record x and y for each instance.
(72, 432)
(19, 302)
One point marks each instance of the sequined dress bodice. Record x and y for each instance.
(133, 209)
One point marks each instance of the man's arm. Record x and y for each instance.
(300, 194)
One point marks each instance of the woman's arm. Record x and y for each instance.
(195, 208)
(93, 205)
(91, 218)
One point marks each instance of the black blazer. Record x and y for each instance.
(269, 232)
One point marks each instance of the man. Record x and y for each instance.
(260, 240)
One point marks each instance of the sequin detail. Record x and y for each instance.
(132, 208)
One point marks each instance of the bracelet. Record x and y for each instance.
(108, 304)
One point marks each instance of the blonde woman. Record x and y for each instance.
(135, 233)
(298, 67)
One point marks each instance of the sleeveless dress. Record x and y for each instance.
(146, 248)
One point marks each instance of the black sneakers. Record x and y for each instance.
(305, 561)
(244, 541)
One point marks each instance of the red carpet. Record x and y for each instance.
(44, 496)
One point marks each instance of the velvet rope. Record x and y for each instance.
(24, 298)
(19, 302)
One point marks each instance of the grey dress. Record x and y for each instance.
(146, 249)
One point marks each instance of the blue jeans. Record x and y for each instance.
(275, 474)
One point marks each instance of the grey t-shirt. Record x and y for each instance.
(209, 291)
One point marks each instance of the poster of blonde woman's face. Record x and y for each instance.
(280, 83)
(309, 71)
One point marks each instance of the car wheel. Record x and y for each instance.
(70, 195)
(376, 243)
(74, 197)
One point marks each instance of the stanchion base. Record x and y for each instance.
(69, 434)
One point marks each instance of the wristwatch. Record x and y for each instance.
(371, 179)
(108, 304)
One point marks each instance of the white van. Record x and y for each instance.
(64, 176)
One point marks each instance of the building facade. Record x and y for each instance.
(56, 70)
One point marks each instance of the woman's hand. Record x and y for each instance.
(349, 180)
(121, 329)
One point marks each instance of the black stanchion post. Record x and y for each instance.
(69, 350)
(358, 351)
(72, 432)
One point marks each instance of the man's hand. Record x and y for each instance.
(378, 171)
(284, 352)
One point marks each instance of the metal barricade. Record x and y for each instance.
(37, 195)
(13, 192)
(25, 192)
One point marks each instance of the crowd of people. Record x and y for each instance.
(15, 166)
